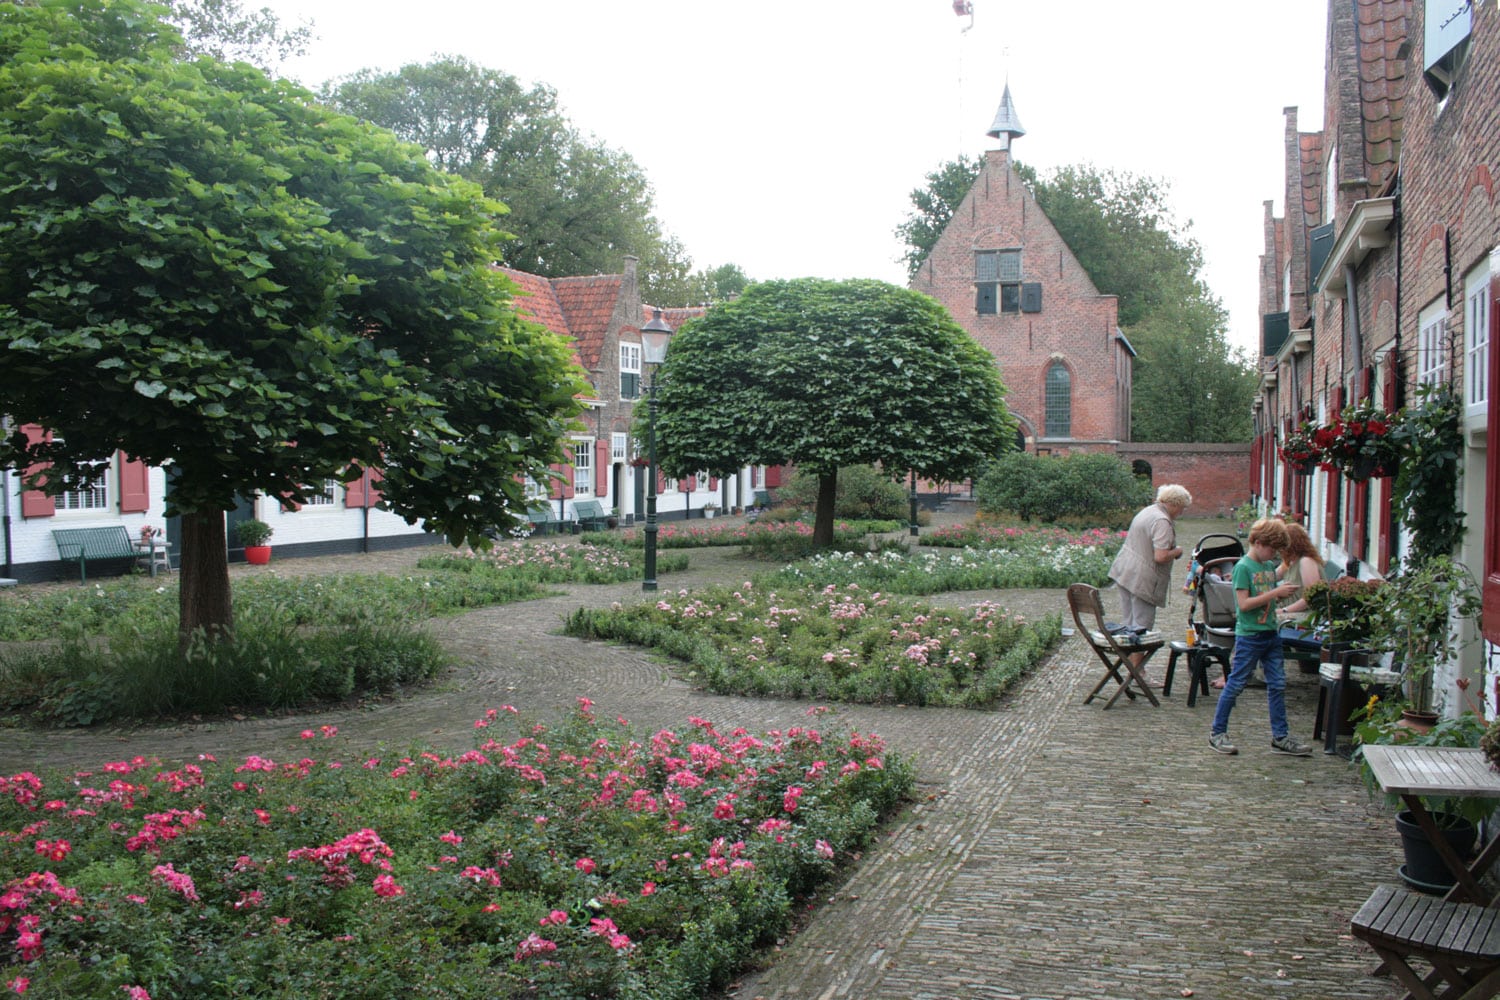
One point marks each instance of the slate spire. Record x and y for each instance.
(1007, 125)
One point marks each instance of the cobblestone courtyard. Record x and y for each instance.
(1056, 850)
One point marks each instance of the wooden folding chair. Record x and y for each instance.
(1460, 942)
(1114, 652)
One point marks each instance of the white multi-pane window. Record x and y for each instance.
(630, 371)
(1432, 335)
(618, 444)
(92, 497)
(324, 496)
(583, 467)
(1477, 340)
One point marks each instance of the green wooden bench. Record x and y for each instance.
(544, 520)
(82, 544)
(591, 515)
(762, 499)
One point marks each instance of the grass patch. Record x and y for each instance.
(582, 860)
(840, 643)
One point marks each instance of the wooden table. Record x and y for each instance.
(1444, 772)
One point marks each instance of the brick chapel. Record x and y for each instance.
(1007, 277)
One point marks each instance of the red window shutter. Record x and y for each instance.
(288, 504)
(562, 482)
(688, 484)
(754, 476)
(135, 486)
(773, 476)
(354, 492)
(713, 483)
(35, 503)
(373, 494)
(601, 467)
(661, 482)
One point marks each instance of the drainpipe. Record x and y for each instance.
(1397, 221)
(1352, 300)
(5, 501)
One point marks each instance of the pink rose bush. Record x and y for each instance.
(572, 859)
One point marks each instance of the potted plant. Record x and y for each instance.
(254, 535)
(710, 509)
(1349, 610)
(1421, 606)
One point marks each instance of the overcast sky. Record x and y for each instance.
(786, 135)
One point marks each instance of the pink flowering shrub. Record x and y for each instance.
(578, 859)
(553, 562)
(843, 643)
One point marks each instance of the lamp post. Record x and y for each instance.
(914, 503)
(654, 338)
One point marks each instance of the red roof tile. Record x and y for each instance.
(588, 303)
(1382, 33)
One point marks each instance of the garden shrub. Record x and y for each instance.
(1099, 487)
(842, 643)
(663, 861)
(861, 491)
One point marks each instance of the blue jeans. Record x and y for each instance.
(1263, 648)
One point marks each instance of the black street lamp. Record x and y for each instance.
(655, 336)
(914, 503)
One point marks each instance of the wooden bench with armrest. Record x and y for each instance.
(591, 515)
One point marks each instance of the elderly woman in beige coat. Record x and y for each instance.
(1143, 569)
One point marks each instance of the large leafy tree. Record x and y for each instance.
(1125, 235)
(823, 374)
(228, 30)
(577, 205)
(204, 268)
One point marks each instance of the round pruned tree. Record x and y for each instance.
(205, 269)
(821, 374)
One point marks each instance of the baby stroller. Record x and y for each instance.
(1212, 590)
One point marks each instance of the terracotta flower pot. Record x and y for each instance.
(257, 555)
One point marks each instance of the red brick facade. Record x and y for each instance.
(1213, 473)
(1073, 328)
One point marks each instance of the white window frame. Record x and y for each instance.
(630, 364)
(1432, 336)
(97, 499)
(325, 499)
(1477, 343)
(534, 490)
(618, 446)
(583, 467)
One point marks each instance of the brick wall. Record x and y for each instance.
(1215, 474)
(1075, 327)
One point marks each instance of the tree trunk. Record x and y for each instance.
(823, 525)
(203, 587)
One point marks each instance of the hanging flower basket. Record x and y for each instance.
(1300, 450)
(1358, 443)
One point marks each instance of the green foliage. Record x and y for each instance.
(1078, 485)
(253, 532)
(1024, 559)
(862, 492)
(575, 205)
(222, 266)
(550, 563)
(1430, 439)
(845, 643)
(269, 663)
(933, 206)
(429, 875)
(765, 380)
(225, 30)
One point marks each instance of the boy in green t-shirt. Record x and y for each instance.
(1256, 639)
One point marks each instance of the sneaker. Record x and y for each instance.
(1289, 746)
(1220, 742)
